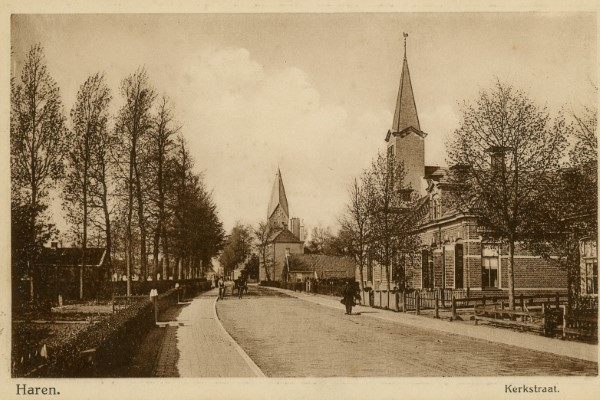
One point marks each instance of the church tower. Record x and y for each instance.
(278, 213)
(406, 141)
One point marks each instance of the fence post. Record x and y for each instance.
(454, 311)
(544, 318)
(436, 298)
(396, 300)
(404, 301)
(483, 300)
(417, 301)
(564, 323)
(154, 297)
(521, 301)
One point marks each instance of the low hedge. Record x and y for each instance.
(276, 284)
(119, 288)
(114, 339)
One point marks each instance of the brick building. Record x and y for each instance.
(320, 266)
(454, 252)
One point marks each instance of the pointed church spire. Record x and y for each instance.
(406, 109)
(278, 199)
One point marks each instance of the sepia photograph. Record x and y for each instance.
(333, 196)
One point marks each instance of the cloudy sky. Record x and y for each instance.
(312, 93)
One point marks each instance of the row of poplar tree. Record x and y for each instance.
(126, 181)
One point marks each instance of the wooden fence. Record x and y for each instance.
(543, 312)
(545, 320)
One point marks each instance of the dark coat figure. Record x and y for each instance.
(221, 284)
(239, 285)
(350, 295)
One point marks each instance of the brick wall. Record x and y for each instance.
(473, 272)
(535, 273)
(530, 271)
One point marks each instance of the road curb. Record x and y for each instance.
(255, 369)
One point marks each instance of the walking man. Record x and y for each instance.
(221, 288)
(350, 294)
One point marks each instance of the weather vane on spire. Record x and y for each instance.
(405, 36)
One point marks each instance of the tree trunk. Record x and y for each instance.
(511, 273)
(155, 252)
(142, 225)
(85, 212)
(165, 253)
(34, 272)
(129, 239)
(107, 227)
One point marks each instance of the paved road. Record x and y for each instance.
(288, 337)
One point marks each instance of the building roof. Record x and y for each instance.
(278, 197)
(71, 256)
(324, 266)
(283, 235)
(430, 169)
(405, 114)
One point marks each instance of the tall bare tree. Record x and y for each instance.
(160, 145)
(569, 212)
(510, 151)
(133, 125)
(102, 189)
(390, 222)
(37, 139)
(261, 234)
(355, 222)
(89, 118)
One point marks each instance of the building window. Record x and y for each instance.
(591, 276)
(458, 266)
(426, 269)
(589, 266)
(489, 272)
(490, 265)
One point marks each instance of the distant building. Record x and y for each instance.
(282, 242)
(320, 266)
(61, 267)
